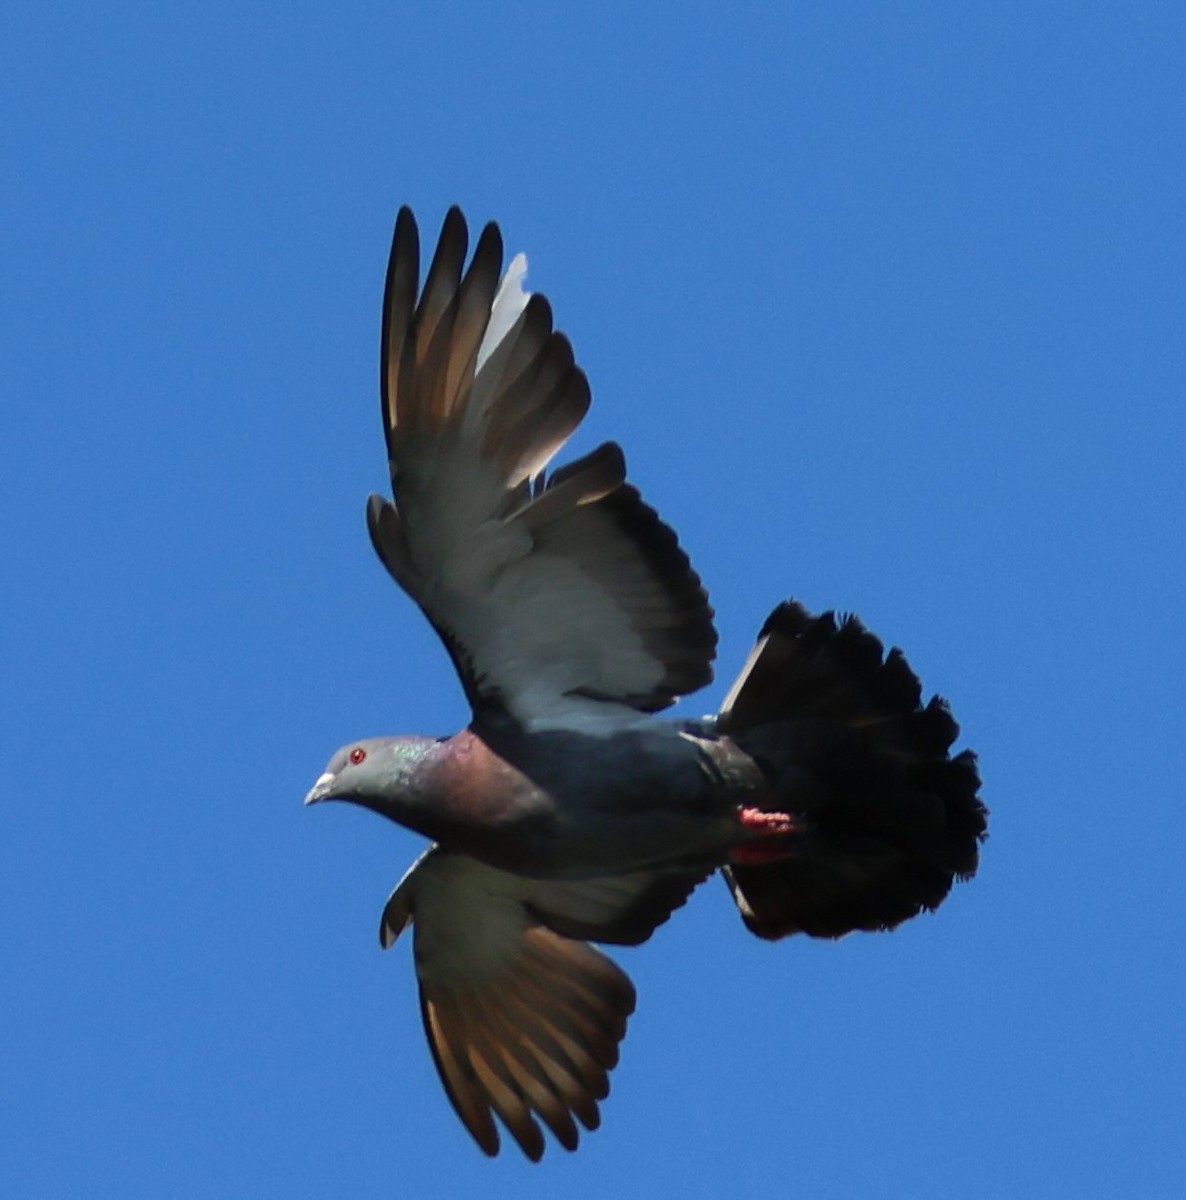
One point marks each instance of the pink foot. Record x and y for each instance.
(771, 831)
(772, 824)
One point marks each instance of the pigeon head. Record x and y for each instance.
(382, 774)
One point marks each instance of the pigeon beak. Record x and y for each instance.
(321, 789)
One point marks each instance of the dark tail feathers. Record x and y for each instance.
(890, 817)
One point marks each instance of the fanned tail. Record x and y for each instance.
(888, 818)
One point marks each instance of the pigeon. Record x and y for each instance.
(824, 790)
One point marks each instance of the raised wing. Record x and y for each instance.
(548, 591)
(524, 1019)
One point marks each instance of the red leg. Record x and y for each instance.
(772, 824)
(772, 831)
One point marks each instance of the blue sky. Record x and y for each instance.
(885, 304)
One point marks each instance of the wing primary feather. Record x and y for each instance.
(532, 1011)
(431, 398)
(576, 1075)
(523, 1060)
(515, 363)
(488, 380)
(399, 304)
(405, 417)
(585, 1011)
(518, 403)
(474, 301)
(444, 273)
(602, 981)
(537, 436)
(457, 1074)
(434, 320)
(596, 1035)
(498, 1081)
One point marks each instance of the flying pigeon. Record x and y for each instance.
(824, 790)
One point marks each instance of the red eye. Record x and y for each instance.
(357, 755)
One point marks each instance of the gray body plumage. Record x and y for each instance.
(564, 804)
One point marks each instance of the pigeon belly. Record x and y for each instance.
(569, 805)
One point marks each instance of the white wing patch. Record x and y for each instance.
(509, 302)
